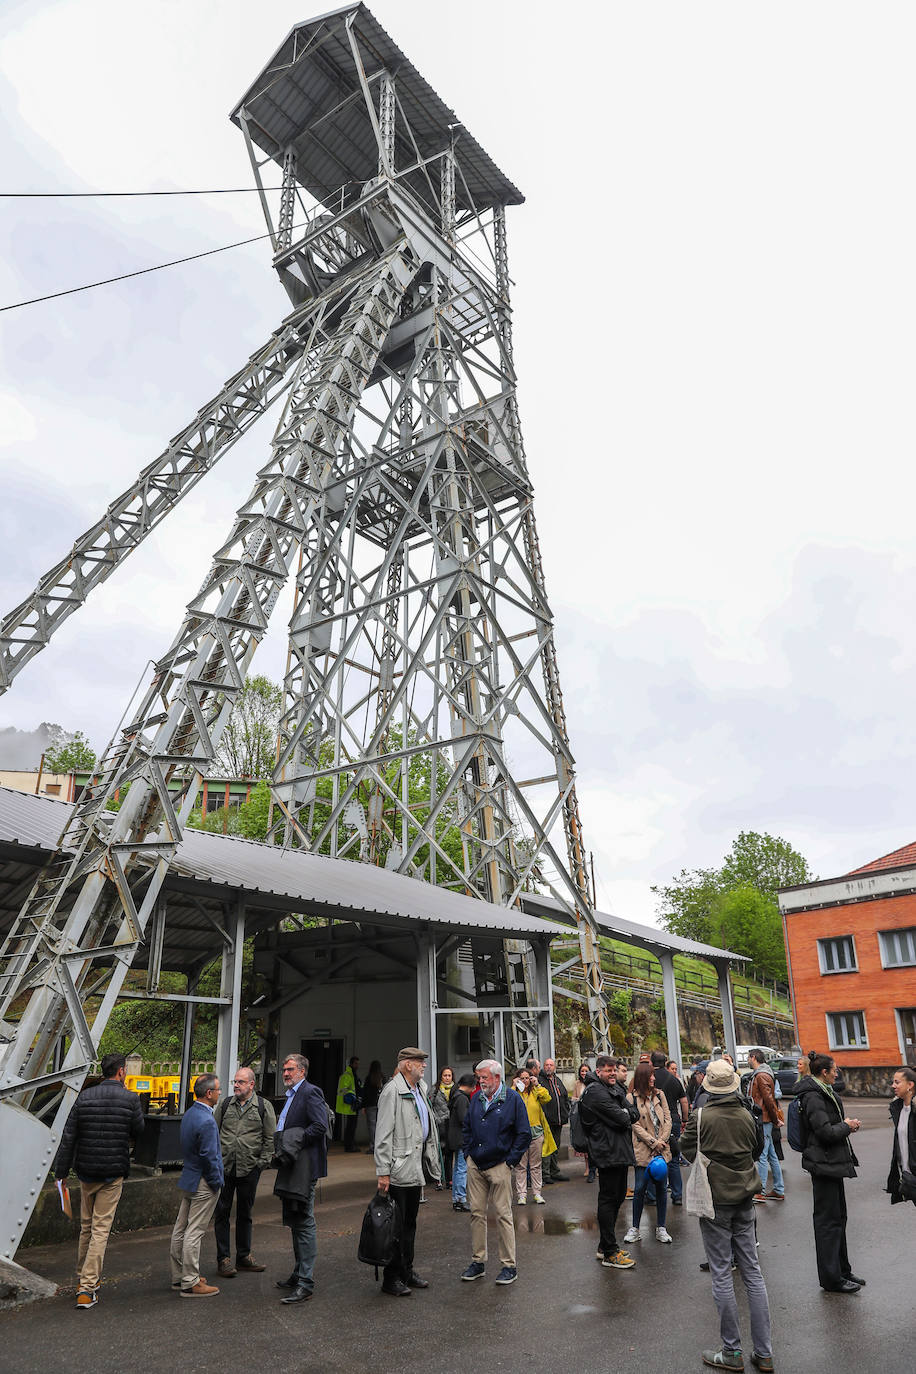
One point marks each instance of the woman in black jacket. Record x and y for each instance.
(458, 1103)
(903, 1151)
(828, 1157)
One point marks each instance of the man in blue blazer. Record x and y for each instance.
(200, 1185)
(301, 1155)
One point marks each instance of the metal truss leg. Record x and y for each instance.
(84, 909)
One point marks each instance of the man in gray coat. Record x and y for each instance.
(725, 1133)
(406, 1157)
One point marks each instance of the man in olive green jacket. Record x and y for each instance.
(246, 1134)
(724, 1131)
(406, 1157)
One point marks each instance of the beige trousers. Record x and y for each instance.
(485, 1186)
(98, 1204)
(530, 1159)
(191, 1225)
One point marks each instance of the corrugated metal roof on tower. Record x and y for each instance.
(299, 98)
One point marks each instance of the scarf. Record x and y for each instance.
(828, 1090)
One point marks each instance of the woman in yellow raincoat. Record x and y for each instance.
(542, 1141)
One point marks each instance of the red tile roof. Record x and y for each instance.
(899, 858)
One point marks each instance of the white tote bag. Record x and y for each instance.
(697, 1192)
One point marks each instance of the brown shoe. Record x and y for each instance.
(246, 1262)
(201, 1289)
(227, 1269)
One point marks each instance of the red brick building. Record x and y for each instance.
(851, 947)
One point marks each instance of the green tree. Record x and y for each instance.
(765, 862)
(748, 921)
(685, 905)
(248, 746)
(714, 905)
(70, 753)
(248, 820)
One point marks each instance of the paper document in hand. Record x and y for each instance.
(64, 1195)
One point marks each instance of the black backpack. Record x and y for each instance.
(796, 1125)
(221, 1108)
(380, 1238)
(577, 1136)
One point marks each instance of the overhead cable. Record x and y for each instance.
(142, 271)
(97, 195)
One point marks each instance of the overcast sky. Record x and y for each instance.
(714, 325)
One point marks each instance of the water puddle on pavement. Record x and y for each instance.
(540, 1225)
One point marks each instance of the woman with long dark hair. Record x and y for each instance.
(901, 1181)
(584, 1076)
(651, 1134)
(828, 1157)
(375, 1081)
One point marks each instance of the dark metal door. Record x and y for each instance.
(326, 1062)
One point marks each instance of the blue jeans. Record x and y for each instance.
(768, 1159)
(460, 1177)
(641, 1182)
(305, 1240)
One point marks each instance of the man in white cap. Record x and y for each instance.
(725, 1132)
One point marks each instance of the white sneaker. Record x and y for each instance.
(539, 1199)
(521, 1201)
(662, 1235)
(631, 1235)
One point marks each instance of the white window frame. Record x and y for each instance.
(836, 1044)
(901, 930)
(835, 940)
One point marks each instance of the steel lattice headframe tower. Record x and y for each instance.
(397, 493)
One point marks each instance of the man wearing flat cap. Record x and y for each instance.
(725, 1132)
(404, 1116)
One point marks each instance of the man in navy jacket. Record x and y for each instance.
(200, 1184)
(495, 1135)
(301, 1154)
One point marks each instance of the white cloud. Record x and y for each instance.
(17, 423)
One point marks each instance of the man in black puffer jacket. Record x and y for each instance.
(96, 1145)
(607, 1119)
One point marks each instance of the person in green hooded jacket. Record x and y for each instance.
(349, 1089)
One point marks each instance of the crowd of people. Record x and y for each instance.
(494, 1143)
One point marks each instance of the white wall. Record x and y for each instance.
(373, 1019)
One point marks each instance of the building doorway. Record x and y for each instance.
(906, 1024)
(326, 1062)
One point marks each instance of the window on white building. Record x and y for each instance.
(846, 1030)
(837, 955)
(898, 947)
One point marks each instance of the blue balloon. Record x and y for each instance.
(657, 1169)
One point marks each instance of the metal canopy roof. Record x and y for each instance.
(309, 97)
(213, 868)
(646, 937)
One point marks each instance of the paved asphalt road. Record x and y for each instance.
(565, 1312)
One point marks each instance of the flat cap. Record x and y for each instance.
(411, 1052)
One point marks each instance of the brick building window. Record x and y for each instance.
(898, 947)
(837, 955)
(846, 1030)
